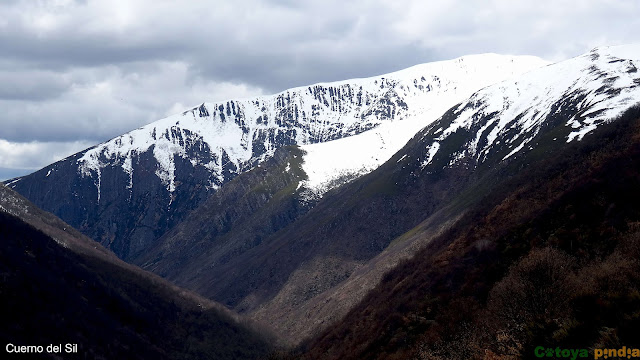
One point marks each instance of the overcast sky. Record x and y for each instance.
(74, 73)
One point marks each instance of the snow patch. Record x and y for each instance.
(433, 149)
(127, 166)
(13, 182)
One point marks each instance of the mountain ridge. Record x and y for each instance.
(159, 172)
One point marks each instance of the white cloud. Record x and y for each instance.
(32, 154)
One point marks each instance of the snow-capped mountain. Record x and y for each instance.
(251, 248)
(220, 178)
(229, 137)
(155, 174)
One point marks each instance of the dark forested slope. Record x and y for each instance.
(51, 294)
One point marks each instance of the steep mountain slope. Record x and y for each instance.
(248, 209)
(128, 191)
(311, 268)
(549, 258)
(58, 287)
